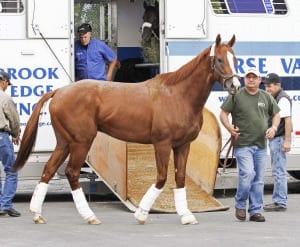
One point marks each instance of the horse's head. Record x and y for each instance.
(150, 26)
(223, 63)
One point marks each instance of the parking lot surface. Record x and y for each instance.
(65, 227)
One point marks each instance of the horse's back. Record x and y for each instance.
(101, 105)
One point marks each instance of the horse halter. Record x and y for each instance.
(223, 76)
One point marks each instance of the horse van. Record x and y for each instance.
(37, 48)
(267, 39)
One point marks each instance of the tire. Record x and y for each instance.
(295, 174)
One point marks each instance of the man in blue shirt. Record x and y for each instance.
(93, 58)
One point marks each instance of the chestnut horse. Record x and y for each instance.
(165, 111)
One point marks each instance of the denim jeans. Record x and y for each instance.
(7, 158)
(278, 162)
(251, 162)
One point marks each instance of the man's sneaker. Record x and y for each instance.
(257, 218)
(240, 213)
(274, 207)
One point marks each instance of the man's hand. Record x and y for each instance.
(270, 133)
(234, 131)
(286, 146)
(16, 140)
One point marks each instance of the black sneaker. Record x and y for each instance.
(12, 212)
(274, 207)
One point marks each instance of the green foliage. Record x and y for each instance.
(89, 13)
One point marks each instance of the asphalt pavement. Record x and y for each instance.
(65, 227)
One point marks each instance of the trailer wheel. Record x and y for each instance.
(295, 174)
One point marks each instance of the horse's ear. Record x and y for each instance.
(218, 39)
(232, 41)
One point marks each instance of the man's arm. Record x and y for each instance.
(270, 133)
(110, 70)
(224, 118)
(287, 137)
(14, 121)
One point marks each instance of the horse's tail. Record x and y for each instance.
(30, 133)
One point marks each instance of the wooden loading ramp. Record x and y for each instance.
(129, 169)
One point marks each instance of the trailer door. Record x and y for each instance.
(183, 21)
(50, 17)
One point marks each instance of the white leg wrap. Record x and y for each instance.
(150, 197)
(38, 198)
(181, 207)
(146, 203)
(81, 204)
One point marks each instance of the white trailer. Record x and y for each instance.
(267, 38)
(37, 37)
(36, 47)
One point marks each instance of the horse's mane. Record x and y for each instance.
(184, 71)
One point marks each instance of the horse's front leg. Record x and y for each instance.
(181, 205)
(162, 155)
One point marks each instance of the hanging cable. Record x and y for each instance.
(35, 28)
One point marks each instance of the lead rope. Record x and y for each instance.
(231, 140)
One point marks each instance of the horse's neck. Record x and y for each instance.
(199, 85)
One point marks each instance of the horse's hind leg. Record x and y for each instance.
(162, 155)
(77, 158)
(180, 159)
(57, 158)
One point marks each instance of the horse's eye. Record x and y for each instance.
(219, 60)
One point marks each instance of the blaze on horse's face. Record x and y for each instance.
(151, 22)
(224, 65)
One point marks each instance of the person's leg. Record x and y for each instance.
(278, 161)
(11, 178)
(2, 156)
(257, 187)
(244, 157)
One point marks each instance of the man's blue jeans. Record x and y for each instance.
(7, 158)
(251, 162)
(278, 162)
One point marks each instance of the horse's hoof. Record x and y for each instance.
(39, 220)
(188, 219)
(141, 216)
(94, 221)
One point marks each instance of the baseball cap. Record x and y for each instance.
(252, 71)
(84, 28)
(5, 76)
(271, 78)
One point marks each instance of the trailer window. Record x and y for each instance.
(11, 6)
(267, 7)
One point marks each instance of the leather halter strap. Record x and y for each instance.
(214, 68)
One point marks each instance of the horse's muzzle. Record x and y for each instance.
(232, 84)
